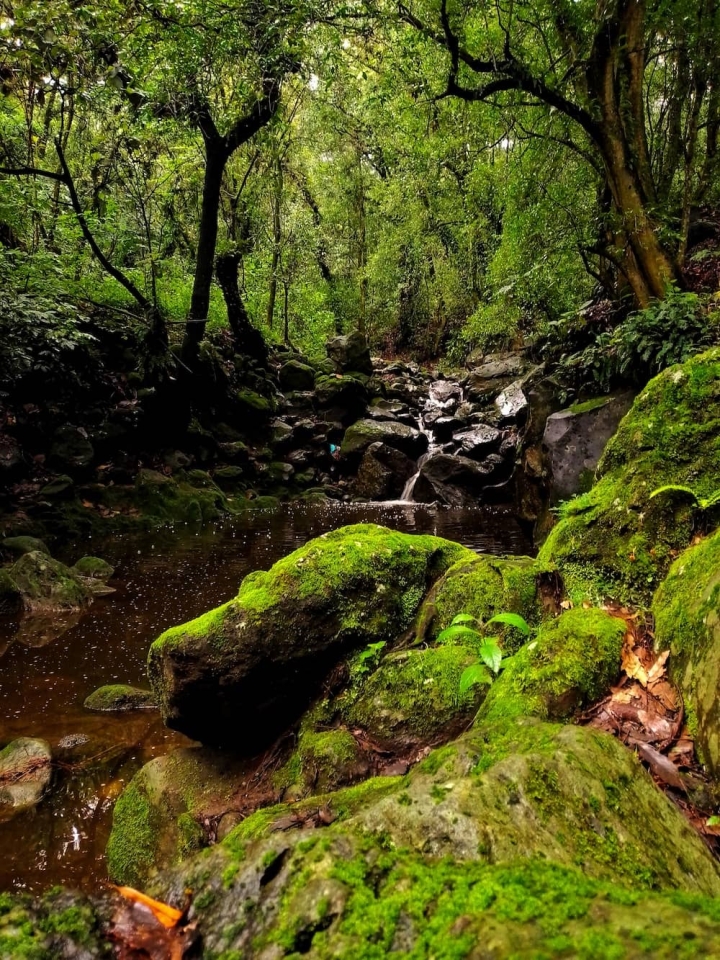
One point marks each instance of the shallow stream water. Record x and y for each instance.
(161, 579)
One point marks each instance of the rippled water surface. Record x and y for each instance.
(161, 579)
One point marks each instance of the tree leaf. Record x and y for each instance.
(452, 633)
(474, 675)
(512, 620)
(491, 653)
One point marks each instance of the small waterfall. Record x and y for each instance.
(432, 403)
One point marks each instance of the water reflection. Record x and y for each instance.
(162, 579)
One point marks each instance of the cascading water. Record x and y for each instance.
(444, 398)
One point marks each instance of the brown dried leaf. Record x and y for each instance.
(633, 667)
(657, 671)
(666, 694)
(663, 768)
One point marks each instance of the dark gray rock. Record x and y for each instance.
(341, 399)
(71, 449)
(456, 481)
(383, 473)
(119, 698)
(497, 369)
(479, 441)
(350, 353)
(360, 435)
(444, 427)
(295, 375)
(512, 405)
(575, 439)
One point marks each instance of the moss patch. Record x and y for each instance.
(615, 540)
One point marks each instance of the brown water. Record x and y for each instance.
(161, 579)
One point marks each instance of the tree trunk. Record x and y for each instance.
(216, 160)
(277, 240)
(248, 340)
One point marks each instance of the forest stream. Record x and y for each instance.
(161, 579)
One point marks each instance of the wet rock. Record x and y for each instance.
(229, 478)
(443, 428)
(71, 448)
(61, 487)
(350, 353)
(575, 439)
(46, 584)
(281, 435)
(295, 375)
(443, 391)
(497, 369)
(383, 473)
(118, 697)
(94, 567)
(342, 398)
(242, 673)
(478, 442)
(158, 819)
(453, 480)
(322, 761)
(254, 406)
(362, 434)
(512, 405)
(17, 546)
(25, 774)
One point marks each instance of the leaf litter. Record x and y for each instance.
(646, 712)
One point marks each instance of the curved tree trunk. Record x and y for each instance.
(249, 341)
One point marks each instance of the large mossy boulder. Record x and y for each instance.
(163, 499)
(484, 586)
(341, 398)
(687, 622)
(617, 540)
(383, 473)
(241, 674)
(516, 840)
(158, 819)
(350, 353)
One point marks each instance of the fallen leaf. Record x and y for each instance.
(663, 768)
(658, 668)
(633, 668)
(167, 915)
(666, 694)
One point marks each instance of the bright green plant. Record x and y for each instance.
(367, 660)
(490, 654)
(679, 491)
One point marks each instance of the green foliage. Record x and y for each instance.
(489, 651)
(367, 660)
(669, 331)
(683, 492)
(38, 336)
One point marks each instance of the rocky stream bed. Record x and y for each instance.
(339, 792)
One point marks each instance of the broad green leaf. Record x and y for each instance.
(463, 618)
(474, 675)
(512, 620)
(452, 633)
(491, 653)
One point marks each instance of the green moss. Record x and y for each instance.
(413, 696)
(587, 406)
(573, 660)
(132, 847)
(119, 697)
(483, 586)
(321, 762)
(94, 567)
(687, 622)
(615, 539)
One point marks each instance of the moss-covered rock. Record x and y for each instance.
(572, 661)
(687, 622)
(17, 546)
(46, 584)
(254, 405)
(166, 500)
(364, 433)
(483, 586)
(323, 761)
(521, 839)
(240, 674)
(94, 567)
(413, 697)
(157, 820)
(616, 540)
(118, 697)
(62, 924)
